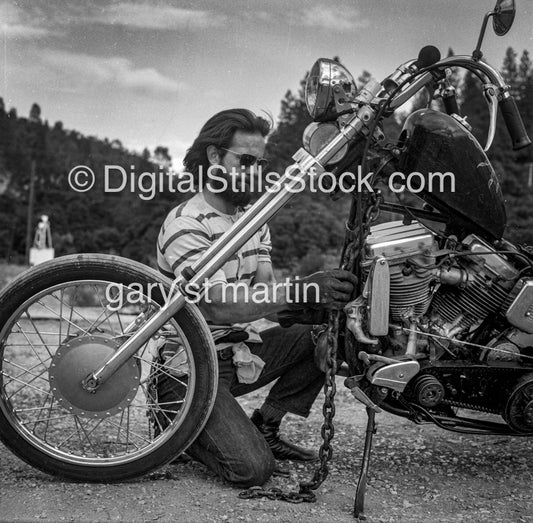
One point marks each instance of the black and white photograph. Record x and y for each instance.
(266, 261)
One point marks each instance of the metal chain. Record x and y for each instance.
(325, 453)
(327, 431)
(372, 213)
(353, 249)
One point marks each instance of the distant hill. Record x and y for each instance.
(93, 221)
(306, 234)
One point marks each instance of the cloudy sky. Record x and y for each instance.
(150, 73)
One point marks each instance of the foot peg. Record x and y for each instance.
(359, 395)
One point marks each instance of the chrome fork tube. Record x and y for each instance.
(216, 255)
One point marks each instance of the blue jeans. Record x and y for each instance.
(230, 444)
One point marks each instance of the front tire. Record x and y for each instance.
(56, 323)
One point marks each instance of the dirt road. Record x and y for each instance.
(418, 474)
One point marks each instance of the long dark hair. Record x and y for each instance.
(219, 131)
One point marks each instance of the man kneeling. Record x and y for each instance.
(239, 449)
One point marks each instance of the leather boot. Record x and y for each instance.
(280, 448)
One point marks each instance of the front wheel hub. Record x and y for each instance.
(79, 357)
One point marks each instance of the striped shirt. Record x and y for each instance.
(192, 227)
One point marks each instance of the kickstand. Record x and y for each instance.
(359, 505)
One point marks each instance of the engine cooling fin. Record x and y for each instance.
(409, 294)
(476, 301)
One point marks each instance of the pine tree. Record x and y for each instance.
(35, 113)
(510, 70)
(474, 107)
(456, 77)
(514, 164)
(525, 77)
(524, 69)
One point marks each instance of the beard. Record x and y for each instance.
(239, 198)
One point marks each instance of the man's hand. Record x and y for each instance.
(324, 289)
(307, 316)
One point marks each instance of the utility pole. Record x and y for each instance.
(29, 228)
(530, 177)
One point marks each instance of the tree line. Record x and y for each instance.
(303, 232)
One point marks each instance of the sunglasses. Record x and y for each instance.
(247, 160)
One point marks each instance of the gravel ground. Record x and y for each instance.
(418, 474)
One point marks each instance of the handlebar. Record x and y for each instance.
(514, 123)
(511, 116)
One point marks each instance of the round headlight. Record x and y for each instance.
(325, 75)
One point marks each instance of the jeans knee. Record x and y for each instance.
(252, 472)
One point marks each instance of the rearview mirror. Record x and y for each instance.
(504, 12)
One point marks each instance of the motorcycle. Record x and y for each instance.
(443, 319)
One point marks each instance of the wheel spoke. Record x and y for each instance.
(71, 435)
(49, 414)
(26, 371)
(70, 320)
(27, 313)
(120, 425)
(78, 422)
(94, 325)
(29, 342)
(161, 368)
(26, 384)
(104, 309)
(9, 345)
(148, 395)
(120, 323)
(44, 420)
(157, 408)
(128, 427)
(155, 405)
(60, 339)
(31, 409)
(50, 420)
(61, 303)
(133, 433)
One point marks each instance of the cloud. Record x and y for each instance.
(154, 16)
(15, 23)
(24, 31)
(113, 71)
(334, 18)
(37, 20)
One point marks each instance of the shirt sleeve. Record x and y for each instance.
(265, 246)
(184, 242)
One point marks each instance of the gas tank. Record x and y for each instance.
(437, 143)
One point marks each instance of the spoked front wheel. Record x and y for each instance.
(60, 322)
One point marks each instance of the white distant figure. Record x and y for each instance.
(42, 249)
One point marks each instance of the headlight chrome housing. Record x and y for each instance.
(327, 80)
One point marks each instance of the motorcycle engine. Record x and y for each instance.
(486, 284)
(437, 297)
(453, 298)
(409, 251)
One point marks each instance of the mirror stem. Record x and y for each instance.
(476, 53)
